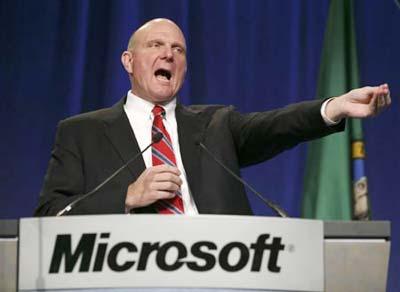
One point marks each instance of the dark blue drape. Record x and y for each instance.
(60, 58)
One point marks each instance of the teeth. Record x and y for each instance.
(162, 77)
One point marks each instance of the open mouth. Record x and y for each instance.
(163, 74)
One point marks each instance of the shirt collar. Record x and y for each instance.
(139, 106)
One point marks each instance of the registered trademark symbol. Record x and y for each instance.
(290, 248)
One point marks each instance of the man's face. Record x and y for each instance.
(158, 62)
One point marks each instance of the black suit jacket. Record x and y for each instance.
(91, 146)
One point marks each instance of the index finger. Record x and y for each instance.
(167, 168)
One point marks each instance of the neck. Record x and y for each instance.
(153, 100)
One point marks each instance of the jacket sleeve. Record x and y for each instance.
(261, 136)
(64, 180)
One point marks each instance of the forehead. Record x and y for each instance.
(163, 30)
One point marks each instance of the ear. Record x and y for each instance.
(126, 60)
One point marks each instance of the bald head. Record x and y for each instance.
(140, 33)
(156, 60)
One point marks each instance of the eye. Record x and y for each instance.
(179, 50)
(155, 44)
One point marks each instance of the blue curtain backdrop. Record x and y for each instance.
(60, 58)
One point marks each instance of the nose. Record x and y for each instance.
(167, 54)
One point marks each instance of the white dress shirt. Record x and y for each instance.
(141, 118)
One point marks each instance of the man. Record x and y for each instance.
(177, 176)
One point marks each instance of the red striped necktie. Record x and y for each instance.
(163, 153)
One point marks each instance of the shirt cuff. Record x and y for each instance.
(327, 120)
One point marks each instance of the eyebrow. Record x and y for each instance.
(155, 41)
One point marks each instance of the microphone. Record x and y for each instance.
(278, 210)
(154, 139)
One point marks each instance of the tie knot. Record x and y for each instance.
(158, 111)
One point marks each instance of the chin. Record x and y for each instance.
(163, 98)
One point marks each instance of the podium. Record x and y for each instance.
(199, 253)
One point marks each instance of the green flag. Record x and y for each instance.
(328, 185)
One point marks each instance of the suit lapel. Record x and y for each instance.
(191, 127)
(121, 136)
